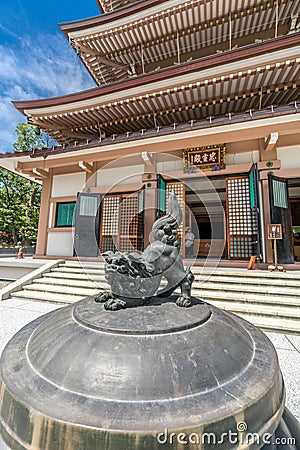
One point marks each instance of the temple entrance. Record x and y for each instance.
(223, 214)
(204, 216)
(294, 198)
(122, 223)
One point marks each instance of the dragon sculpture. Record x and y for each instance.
(135, 277)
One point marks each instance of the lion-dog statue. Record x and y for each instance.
(134, 278)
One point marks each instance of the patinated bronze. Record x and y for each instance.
(135, 277)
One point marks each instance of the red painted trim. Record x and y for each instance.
(204, 63)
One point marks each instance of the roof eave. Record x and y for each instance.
(209, 61)
(69, 27)
(9, 162)
(100, 6)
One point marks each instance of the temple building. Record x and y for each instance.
(200, 97)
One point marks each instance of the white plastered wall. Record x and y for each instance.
(289, 157)
(68, 185)
(120, 175)
(60, 244)
(242, 158)
(170, 166)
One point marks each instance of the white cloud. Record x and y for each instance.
(42, 67)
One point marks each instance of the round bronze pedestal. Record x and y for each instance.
(153, 377)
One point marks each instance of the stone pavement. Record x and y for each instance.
(14, 314)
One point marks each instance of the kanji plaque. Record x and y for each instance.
(211, 157)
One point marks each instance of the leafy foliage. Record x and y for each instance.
(19, 208)
(19, 197)
(30, 138)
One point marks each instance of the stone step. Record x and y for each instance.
(83, 265)
(277, 324)
(248, 277)
(237, 278)
(246, 289)
(75, 283)
(75, 276)
(258, 309)
(77, 270)
(242, 297)
(248, 274)
(270, 301)
(40, 287)
(45, 296)
(247, 281)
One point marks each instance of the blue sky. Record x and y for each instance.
(36, 60)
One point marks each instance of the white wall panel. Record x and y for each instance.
(242, 158)
(170, 166)
(289, 157)
(120, 175)
(68, 185)
(60, 244)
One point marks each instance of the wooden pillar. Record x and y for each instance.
(41, 244)
(150, 184)
(149, 180)
(267, 220)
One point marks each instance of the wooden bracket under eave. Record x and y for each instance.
(271, 142)
(41, 172)
(86, 166)
(33, 173)
(147, 158)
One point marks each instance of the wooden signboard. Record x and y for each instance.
(211, 157)
(274, 231)
(274, 234)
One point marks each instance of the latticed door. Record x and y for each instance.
(179, 189)
(109, 236)
(122, 223)
(131, 222)
(240, 230)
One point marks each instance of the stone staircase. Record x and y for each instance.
(67, 283)
(270, 301)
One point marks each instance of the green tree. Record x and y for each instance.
(30, 137)
(19, 197)
(19, 208)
